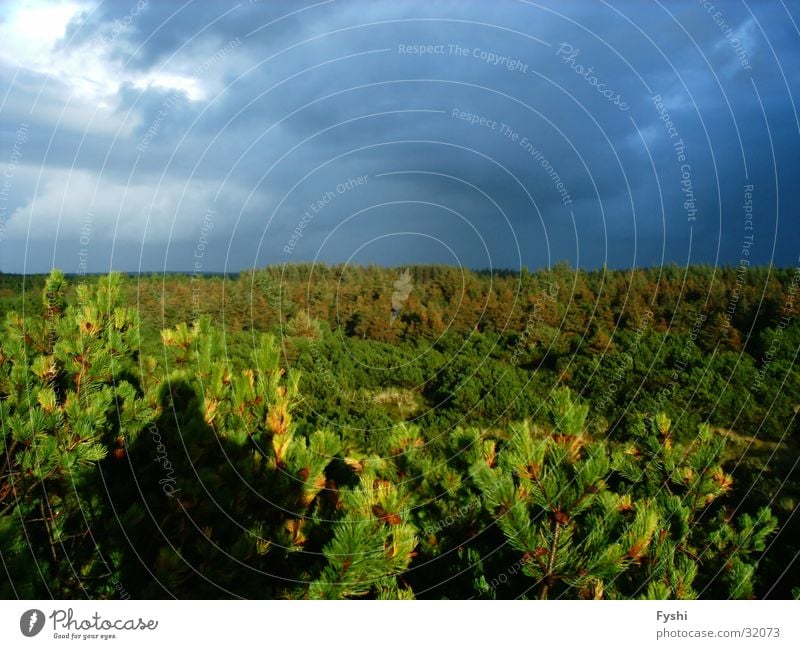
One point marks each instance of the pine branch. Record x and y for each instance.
(548, 578)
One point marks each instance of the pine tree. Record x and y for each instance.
(551, 499)
(292, 523)
(591, 526)
(64, 404)
(701, 547)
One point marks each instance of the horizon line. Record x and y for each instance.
(478, 270)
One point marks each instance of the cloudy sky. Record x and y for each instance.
(208, 136)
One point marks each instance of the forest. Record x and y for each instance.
(430, 432)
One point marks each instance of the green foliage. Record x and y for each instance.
(317, 448)
(590, 526)
(688, 481)
(65, 403)
(550, 496)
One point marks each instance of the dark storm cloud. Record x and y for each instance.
(260, 115)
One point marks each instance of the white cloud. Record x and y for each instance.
(91, 70)
(32, 29)
(68, 200)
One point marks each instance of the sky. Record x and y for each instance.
(211, 136)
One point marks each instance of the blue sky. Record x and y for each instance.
(209, 136)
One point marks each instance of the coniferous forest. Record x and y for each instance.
(428, 432)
